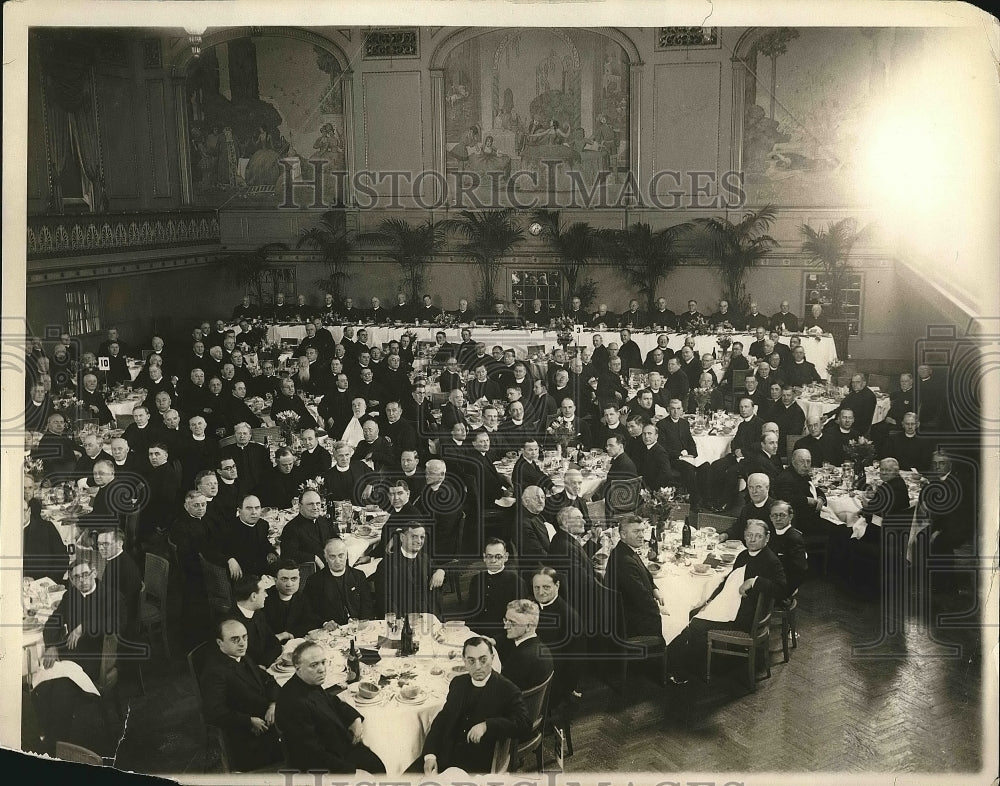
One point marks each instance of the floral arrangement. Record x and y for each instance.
(860, 451)
(563, 324)
(702, 398)
(256, 404)
(33, 466)
(287, 420)
(725, 327)
(695, 326)
(444, 319)
(724, 342)
(560, 432)
(657, 503)
(832, 366)
(316, 484)
(64, 400)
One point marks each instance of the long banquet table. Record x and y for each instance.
(819, 350)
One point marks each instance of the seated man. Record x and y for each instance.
(287, 609)
(249, 596)
(347, 479)
(339, 592)
(531, 534)
(756, 571)
(790, 547)
(861, 402)
(653, 463)
(583, 589)
(241, 543)
(491, 590)
(641, 601)
(303, 537)
(908, 447)
(812, 440)
(482, 708)
(320, 731)
(794, 485)
(239, 697)
(527, 662)
(836, 434)
(279, 486)
(527, 471)
(406, 580)
(757, 501)
(44, 552)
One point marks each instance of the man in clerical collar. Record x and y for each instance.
(528, 663)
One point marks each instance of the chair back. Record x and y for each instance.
(67, 751)
(107, 675)
(596, 510)
(880, 381)
(196, 663)
(720, 522)
(154, 591)
(537, 701)
(622, 496)
(265, 435)
(225, 442)
(306, 569)
(760, 629)
(217, 586)
(680, 511)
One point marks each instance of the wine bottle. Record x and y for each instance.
(353, 663)
(406, 638)
(686, 533)
(654, 545)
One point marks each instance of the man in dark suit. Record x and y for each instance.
(723, 473)
(661, 317)
(122, 576)
(527, 471)
(800, 372)
(584, 591)
(531, 536)
(485, 484)
(303, 537)
(44, 553)
(320, 731)
(239, 697)
(314, 460)
(784, 321)
(287, 609)
(610, 425)
(763, 458)
(677, 383)
(339, 592)
(240, 543)
(249, 597)
(347, 479)
(908, 447)
(756, 504)
(578, 429)
(836, 434)
(560, 628)
(287, 400)
(279, 485)
(482, 708)
(374, 449)
(491, 590)
(789, 546)
(622, 467)
(653, 463)
(527, 661)
(676, 438)
(443, 502)
(641, 601)
(812, 441)
(758, 571)
(399, 433)
(862, 402)
(406, 580)
(789, 417)
(794, 485)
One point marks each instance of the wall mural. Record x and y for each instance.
(808, 101)
(253, 102)
(538, 100)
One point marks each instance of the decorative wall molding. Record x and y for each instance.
(668, 38)
(41, 275)
(383, 44)
(77, 235)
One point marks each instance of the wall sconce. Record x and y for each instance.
(194, 39)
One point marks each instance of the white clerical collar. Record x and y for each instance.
(783, 530)
(494, 572)
(115, 556)
(343, 469)
(482, 684)
(88, 594)
(754, 553)
(243, 522)
(244, 612)
(198, 439)
(546, 605)
(228, 482)
(843, 431)
(521, 639)
(760, 504)
(338, 575)
(408, 554)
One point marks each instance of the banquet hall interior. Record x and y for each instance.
(360, 193)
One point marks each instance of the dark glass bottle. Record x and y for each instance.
(353, 663)
(654, 545)
(686, 533)
(406, 638)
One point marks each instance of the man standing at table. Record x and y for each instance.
(320, 731)
(239, 697)
(339, 592)
(482, 708)
(641, 601)
(527, 661)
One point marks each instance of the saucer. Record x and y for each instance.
(693, 572)
(420, 698)
(378, 698)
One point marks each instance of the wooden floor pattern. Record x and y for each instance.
(901, 710)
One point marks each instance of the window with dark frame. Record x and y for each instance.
(538, 283)
(83, 309)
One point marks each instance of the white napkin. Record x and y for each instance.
(861, 526)
(65, 669)
(659, 411)
(725, 605)
(829, 515)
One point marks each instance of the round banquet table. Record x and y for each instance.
(821, 406)
(819, 350)
(394, 729)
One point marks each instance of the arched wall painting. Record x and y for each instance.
(545, 101)
(811, 99)
(254, 101)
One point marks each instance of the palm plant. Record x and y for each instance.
(251, 270)
(488, 235)
(331, 239)
(576, 244)
(643, 257)
(411, 247)
(735, 248)
(830, 248)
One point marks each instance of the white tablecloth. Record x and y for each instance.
(683, 591)
(824, 405)
(819, 352)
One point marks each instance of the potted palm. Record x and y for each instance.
(830, 249)
(330, 238)
(411, 247)
(643, 257)
(575, 244)
(487, 236)
(735, 248)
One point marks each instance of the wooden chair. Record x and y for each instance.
(787, 615)
(622, 496)
(217, 586)
(817, 546)
(537, 701)
(153, 598)
(107, 678)
(680, 511)
(717, 520)
(739, 644)
(196, 661)
(561, 718)
(596, 510)
(502, 751)
(638, 648)
(225, 442)
(67, 751)
(306, 569)
(880, 381)
(265, 435)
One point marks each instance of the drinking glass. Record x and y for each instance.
(390, 621)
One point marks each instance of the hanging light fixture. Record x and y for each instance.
(194, 39)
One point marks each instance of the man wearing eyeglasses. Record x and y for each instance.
(87, 613)
(491, 590)
(527, 662)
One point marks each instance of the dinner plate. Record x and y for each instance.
(420, 698)
(377, 699)
(281, 668)
(699, 575)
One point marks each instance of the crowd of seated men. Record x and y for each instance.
(187, 479)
